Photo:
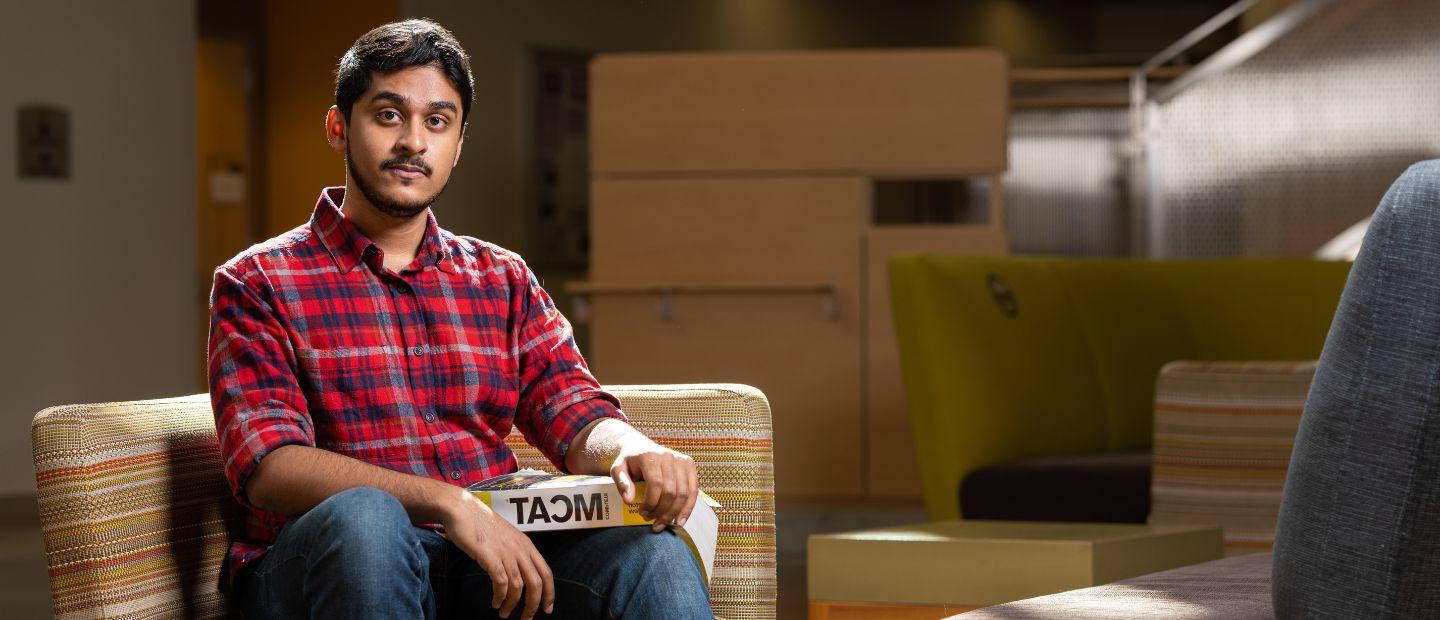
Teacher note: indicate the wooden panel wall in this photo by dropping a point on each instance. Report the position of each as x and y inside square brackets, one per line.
[873, 112]
[775, 231]
[303, 46]
[756, 169]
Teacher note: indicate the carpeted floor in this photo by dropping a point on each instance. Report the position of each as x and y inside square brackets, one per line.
[24, 588]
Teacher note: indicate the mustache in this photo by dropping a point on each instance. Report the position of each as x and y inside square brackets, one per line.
[406, 161]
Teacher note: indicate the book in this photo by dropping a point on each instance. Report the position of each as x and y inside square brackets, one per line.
[537, 501]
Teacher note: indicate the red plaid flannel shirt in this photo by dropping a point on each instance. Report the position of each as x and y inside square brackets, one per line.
[313, 342]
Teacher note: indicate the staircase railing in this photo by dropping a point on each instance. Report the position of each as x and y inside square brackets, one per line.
[1145, 205]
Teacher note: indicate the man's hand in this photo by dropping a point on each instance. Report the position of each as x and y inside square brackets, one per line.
[512, 561]
[671, 483]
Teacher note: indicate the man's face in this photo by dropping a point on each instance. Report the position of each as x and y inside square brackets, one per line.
[402, 139]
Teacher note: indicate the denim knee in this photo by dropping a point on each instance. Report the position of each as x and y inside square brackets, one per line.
[354, 555]
[667, 581]
[665, 556]
[362, 522]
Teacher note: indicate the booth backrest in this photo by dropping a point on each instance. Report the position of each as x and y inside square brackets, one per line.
[1006, 358]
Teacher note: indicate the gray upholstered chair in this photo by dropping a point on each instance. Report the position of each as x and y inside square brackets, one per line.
[1359, 528]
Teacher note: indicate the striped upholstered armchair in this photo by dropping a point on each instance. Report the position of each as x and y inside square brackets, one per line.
[137, 516]
[1223, 436]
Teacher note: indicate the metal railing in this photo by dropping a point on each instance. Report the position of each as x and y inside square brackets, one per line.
[1146, 209]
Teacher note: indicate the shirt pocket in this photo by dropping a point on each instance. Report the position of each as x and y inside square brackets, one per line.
[360, 403]
[354, 385]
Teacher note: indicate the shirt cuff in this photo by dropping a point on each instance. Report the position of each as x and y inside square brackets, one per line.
[255, 446]
[561, 431]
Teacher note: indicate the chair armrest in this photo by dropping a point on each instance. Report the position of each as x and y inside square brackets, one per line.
[134, 508]
[726, 429]
[1223, 435]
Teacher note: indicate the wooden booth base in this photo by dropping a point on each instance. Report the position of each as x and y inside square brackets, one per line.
[834, 610]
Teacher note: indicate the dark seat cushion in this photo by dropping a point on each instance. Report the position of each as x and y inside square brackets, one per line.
[1100, 488]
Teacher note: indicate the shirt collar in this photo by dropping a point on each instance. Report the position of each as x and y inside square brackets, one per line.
[350, 247]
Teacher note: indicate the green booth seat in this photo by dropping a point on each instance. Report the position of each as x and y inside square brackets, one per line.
[1013, 358]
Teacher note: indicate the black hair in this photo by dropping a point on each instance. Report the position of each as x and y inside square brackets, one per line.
[400, 45]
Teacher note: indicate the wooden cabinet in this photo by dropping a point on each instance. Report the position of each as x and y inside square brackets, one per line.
[907, 112]
[732, 235]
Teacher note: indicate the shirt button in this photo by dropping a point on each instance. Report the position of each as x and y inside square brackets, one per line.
[454, 475]
[429, 417]
[417, 350]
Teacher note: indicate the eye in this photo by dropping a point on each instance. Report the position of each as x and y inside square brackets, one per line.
[386, 116]
[437, 121]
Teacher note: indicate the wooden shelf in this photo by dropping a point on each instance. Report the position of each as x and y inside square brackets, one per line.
[1037, 103]
[693, 288]
[1048, 75]
[829, 307]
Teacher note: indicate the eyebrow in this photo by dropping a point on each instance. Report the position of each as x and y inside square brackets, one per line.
[400, 99]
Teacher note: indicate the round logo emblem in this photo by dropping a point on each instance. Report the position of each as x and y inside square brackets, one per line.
[1003, 296]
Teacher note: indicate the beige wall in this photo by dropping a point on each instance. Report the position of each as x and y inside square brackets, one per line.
[99, 296]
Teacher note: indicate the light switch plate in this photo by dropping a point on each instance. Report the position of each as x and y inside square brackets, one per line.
[44, 133]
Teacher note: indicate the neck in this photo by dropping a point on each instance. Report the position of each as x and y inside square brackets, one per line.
[399, 238]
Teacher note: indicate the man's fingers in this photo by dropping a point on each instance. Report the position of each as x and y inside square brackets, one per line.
[655, 479]
[493, 568]
[517, 587]
[692, 494]
[547, 579]
[622, 480]
[684, 494]
[671, 487]
[499, 581]
[664, 487]
[534, 589]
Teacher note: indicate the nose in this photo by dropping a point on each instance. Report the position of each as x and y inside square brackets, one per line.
[411, 140]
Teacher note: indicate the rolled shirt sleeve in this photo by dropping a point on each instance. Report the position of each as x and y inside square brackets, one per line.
[255, 396]
[559, 397]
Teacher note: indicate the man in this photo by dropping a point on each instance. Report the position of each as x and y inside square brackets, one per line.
[366, 366]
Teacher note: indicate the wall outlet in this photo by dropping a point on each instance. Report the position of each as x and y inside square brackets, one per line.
[44, 133]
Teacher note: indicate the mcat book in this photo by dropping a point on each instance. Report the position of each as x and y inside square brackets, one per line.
[536, 501]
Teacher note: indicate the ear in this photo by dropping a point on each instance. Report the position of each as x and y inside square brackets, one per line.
[336, 129]
[458, 146]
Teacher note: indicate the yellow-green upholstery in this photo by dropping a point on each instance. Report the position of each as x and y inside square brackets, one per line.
[1072, 369]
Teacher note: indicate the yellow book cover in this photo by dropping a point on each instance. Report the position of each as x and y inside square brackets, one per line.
[535, 501]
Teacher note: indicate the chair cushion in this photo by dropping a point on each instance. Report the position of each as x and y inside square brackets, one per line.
[1110, 488]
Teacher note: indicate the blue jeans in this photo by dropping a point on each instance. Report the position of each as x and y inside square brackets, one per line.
[356, 555]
